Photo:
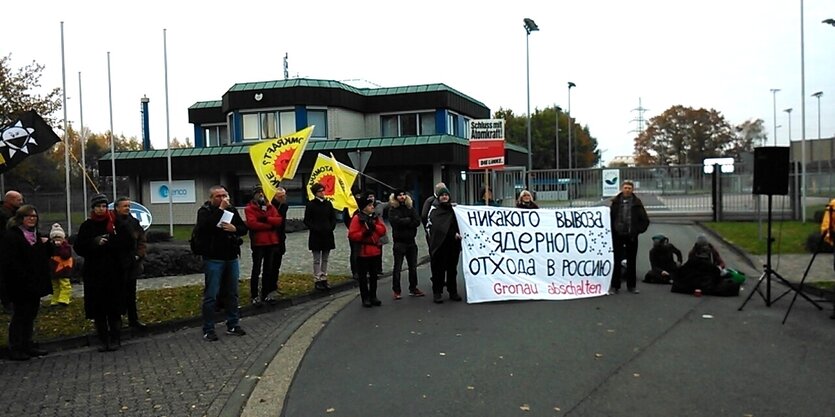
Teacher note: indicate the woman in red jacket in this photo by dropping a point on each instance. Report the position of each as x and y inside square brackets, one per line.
[366, 229]
[262, 220]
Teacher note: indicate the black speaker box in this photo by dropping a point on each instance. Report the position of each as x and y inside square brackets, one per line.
[771, 170]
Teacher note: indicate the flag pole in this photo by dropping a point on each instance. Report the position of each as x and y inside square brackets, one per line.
[83, 143]
[66, 135]
[112, 137]
[168, 136]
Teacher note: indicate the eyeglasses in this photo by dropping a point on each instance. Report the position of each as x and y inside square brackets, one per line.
[31, 216]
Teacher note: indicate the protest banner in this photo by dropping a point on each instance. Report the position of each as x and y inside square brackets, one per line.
[515, 254]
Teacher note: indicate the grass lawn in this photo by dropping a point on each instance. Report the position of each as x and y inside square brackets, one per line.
[789, 236]
[155, 306]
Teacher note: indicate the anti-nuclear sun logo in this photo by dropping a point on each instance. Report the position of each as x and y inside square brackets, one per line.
[17, 138]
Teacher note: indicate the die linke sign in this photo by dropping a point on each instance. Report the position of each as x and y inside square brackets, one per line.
[487, 144]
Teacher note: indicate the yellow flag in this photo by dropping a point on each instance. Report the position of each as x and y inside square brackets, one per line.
[277, 159]
[337, 180]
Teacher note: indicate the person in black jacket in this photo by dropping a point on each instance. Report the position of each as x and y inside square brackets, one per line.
[664, 260]
[104, 280]
[404, 221]
[320, 219]
[132, 248]
[628, 220]
[444, 247]
[26, 278]
[220, 224]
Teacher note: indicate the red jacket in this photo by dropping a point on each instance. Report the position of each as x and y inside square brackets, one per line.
[369, 240]
[262, 224]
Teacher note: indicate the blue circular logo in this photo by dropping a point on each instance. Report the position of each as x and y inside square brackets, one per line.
[163, 191]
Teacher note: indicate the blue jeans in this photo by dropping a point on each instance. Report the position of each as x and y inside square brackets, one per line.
[216, 270]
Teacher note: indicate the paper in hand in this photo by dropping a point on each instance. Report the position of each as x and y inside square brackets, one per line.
[226, 218]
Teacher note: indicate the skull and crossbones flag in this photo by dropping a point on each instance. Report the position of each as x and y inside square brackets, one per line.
[28, 134]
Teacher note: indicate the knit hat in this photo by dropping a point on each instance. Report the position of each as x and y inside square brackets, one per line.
[98, 199]
[315, 188]
[438, 187]
[398, 191]
[363, 201]
[257, 189]
[57, 231]
[440, 191]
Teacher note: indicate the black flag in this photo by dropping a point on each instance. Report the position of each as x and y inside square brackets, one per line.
[27, 135]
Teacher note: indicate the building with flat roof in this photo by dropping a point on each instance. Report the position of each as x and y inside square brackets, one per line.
[412, 137]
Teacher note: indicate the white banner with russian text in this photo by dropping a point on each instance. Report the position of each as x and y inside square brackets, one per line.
[544, 254]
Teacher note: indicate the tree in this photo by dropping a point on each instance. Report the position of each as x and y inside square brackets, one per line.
[17, 92]
[683, 135]
[543, 133]
[749, 134]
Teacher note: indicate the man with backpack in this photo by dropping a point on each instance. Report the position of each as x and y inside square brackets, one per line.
[218, 234]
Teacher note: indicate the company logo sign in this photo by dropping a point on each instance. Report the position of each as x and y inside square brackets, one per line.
[180, 192]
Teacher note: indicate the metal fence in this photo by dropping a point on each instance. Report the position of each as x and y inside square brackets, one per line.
[665, 190]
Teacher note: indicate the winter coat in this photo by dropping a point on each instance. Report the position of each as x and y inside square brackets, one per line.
[530, 205]
[130, 243]
[320, 219]
[25, 267]
[263, 223]
[62, 262]
[366, 231]
[281, 229]
[102, 274]
[404, 220]
[442, 226]
[639, 219]
[223, 245]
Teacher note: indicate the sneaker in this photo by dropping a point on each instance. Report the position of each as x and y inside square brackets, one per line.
[236, 331]
[397, 295]
[256, 302]
[416, 293]
[376, 302]
[455, 297]
[437, 298]
[271, 301]
[633, 290]
[210, 336]
[613, 291]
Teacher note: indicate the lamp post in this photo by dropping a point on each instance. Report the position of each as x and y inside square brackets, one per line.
[818, 96]
[557, 110]
[789, 112]
[774, 106]
[530, 26]
[570, 128]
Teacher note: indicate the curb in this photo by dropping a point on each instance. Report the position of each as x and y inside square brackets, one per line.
[77, 342]
[751, 261]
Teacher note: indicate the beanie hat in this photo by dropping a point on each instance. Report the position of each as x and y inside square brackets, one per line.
[315, 188]
[438, 187]
[257, 189]
[363, 201]
[98, 199]
[440, 191]
[399, 191]
[57, 231]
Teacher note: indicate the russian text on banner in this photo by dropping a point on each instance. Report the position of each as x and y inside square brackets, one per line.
[515, 254]
[277, 159]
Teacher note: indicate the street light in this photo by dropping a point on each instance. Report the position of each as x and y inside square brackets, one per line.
[789, 112]
[557, 109]
[829, 22]
[774, 104]
[818, 96]
[530, 26]
[570, 128]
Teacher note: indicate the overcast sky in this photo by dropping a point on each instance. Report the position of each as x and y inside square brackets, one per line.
[719, 54]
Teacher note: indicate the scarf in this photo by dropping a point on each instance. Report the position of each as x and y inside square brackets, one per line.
[30, 235]
[107, 216]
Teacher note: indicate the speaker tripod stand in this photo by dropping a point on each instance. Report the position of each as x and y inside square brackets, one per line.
[768, 273]
[818, 248]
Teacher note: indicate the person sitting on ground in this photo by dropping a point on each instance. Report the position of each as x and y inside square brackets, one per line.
[704, 271]
[525, 201]
[664, 260]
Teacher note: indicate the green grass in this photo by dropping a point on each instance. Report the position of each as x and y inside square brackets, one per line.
[181, 232]
[155, 306]
[789, 236]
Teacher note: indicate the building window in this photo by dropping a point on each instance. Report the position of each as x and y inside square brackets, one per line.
[427, 123]
[407, 124]
[452, 124]
[319, 118]
[268, 125]
[215, 135]
[250, 126]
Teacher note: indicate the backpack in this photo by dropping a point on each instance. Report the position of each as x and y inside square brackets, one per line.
[198, 243]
